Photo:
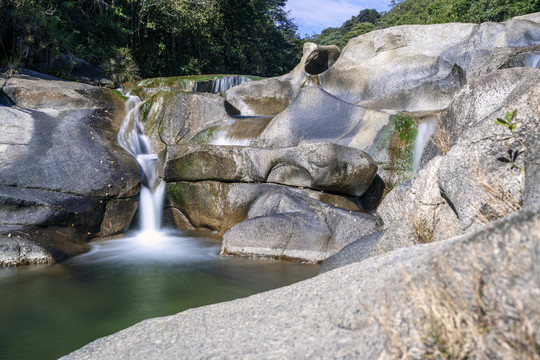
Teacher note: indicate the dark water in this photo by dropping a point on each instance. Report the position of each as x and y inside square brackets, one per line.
[49, 311]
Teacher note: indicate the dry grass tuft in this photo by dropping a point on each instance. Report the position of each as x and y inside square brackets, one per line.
[462, 316]
[441, 139]
[499, 201]
[423, 229]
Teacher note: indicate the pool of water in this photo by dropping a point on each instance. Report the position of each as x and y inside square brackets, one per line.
[49, 311]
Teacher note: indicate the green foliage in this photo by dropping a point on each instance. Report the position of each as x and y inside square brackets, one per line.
[406, 12]
[363, 23]
[406, 128]
[398, 140]
[508, 121]
[444, 11]
[149, 38]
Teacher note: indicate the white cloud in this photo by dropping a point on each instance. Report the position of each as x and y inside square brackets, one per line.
[315, 15]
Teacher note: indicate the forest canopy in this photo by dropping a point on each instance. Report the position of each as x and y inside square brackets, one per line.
[146, 38]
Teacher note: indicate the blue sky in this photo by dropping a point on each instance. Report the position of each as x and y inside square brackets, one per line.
[315, 15]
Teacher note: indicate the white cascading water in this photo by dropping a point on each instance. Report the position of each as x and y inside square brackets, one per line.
[222, 84]
[131, 138]
[533, 60]
[425, 130]
[222, 137]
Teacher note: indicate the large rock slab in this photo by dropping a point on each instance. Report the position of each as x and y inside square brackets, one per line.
[321, 166]
[357, 310]
[356, 251]
[60, 163]
[285, 225]
[413, 68]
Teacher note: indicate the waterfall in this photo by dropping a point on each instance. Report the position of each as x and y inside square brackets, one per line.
[425, 130]
[131, 138]
[533, 60]
[221, 84]
[240, 130]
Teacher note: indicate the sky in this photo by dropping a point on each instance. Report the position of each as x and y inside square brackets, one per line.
[312, 16]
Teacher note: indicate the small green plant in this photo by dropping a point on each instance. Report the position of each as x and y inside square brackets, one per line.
[508, 122]
[510, 155]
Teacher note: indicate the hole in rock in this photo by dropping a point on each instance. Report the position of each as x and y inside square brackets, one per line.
[321, 59]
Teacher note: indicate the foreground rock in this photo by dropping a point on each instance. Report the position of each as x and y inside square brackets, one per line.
[336, 314]
[60, 167]
[321, 166]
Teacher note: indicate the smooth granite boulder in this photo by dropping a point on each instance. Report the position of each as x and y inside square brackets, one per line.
[174, 117]
[60, 163]
[413, 68]
[317, 116]
[286, 225]
[356, 251]
[419, 67]
[323, 166]
[264, 97]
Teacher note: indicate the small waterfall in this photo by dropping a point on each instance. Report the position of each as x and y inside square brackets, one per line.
[223, 137]
[533, 60]
[425, 130]
[131, 138]
[240, 130]
[221, 84]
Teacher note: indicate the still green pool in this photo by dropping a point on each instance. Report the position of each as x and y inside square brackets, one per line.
[49, 311]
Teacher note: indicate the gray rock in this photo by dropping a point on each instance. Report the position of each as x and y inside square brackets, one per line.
[309, 225]
[317, 116]
[60, 163]
[414, 68]
[356, 251]
[117, 217]
[419, 68]
[321, 166]
[416, 212]
[170, 118]
[479, 186]
[286, 225]
[263, 97]
[462, 190]
[336, 314]
[18, 251]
